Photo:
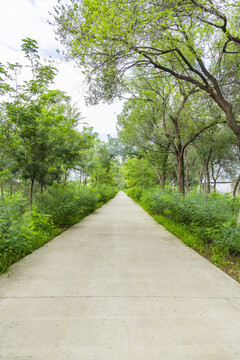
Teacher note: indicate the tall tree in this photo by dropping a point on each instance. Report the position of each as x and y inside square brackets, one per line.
[47, 139]
[109, 39]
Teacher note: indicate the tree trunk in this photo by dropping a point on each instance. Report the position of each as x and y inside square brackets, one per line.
[180, 172]
[231, 121]
[207, 175]
[236, 186]
[31, 194]
[41, 188]
[2, 191]
[161, 178]
[208, 181]
[238, 220]
[201, 183]
[214, 184]
[187, 180]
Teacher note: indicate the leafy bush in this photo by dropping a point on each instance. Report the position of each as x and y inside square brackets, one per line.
[106, 193]
[135, 192]
[14, 225]
[192, 209]
[68, 205]
[229, 237]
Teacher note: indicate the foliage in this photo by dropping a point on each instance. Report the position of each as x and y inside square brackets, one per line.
[229, 237]
[39, 140]
[174, 38]
[65, 205]
[57, 209]
[139, 172]
[217, 254]
[135, 192]
[222, 255]
[211, 220]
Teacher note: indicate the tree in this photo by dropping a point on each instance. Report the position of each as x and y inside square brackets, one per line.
[139, 172]
[109, 40]
[139, 128]
[166, 120]
[47, 139]
[104, 165]
[17, 95]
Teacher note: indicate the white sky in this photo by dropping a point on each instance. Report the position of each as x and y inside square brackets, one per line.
[28, 18]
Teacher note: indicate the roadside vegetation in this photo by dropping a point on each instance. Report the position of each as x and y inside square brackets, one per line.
[209, 226]
[60, 207]
[52, 174]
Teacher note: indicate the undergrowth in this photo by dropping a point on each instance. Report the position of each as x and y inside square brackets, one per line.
[54, 211]
[209, 227]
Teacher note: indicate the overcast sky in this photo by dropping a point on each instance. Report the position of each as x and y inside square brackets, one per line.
[28, 18]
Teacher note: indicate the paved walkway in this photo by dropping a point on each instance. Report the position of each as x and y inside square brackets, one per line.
[118, 286]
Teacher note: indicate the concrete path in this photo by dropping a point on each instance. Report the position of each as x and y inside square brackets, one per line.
[118, 286]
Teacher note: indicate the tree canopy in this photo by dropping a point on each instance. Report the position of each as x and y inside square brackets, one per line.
[194, 41]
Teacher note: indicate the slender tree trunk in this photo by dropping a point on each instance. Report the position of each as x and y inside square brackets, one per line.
[214, 184]
[208, 181]
[215, 176]
[41, 188]
[207, 175]
[180, 172]
[236, 186]
[187, 179]
[200, 183]
[31, 194]
[161, 178]
[2, 191]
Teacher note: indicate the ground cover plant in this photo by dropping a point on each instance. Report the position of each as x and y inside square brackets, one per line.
[61, 206]
[208, 225]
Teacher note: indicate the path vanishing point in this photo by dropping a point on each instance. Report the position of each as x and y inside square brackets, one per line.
[118, 286]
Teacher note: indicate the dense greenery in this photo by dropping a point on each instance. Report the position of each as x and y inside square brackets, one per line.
[212, 220]
[58, 208]
[41, 147]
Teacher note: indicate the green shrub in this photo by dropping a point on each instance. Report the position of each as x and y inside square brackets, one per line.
[67, 205]
[229, 237]
[135, 192]
[15, 225]
[191, 209]
[106, 193]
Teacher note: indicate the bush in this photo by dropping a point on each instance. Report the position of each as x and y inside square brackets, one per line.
[135, 192]
[15, 226]
[229, 237]
[68, 205]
